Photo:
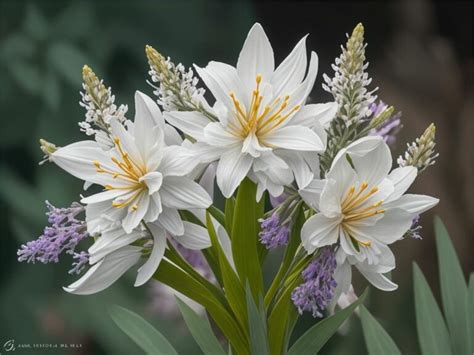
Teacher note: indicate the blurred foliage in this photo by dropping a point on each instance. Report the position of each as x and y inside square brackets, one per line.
[43, 46]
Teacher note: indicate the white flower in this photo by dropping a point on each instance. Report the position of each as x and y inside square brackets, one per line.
[144, 179]
[264, 129]
[362, 207]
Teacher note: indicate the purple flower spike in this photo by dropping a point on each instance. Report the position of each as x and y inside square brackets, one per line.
[273, 233]
[388, 129]
[317, 291]
[64, 234]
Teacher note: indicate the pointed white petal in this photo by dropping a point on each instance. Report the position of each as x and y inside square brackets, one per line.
[311, 193]
[311, 114]
[146, 271]
[217, 135]
[170, 220]
[256, 57]
[390, 228]
[319, 231]
[294, 138]
[178, 161]
[231, 170]
[413, 203]
[195, 237]
[106, 272]
[135, 216]
[182, 193]
[147, 113]
[378, 280]
[402, 179]
[110, 241]
[153, 181]
[103, 196]
[191, 123]
[298, 165]
[291, 71]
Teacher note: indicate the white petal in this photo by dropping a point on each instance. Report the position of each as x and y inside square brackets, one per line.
[390, 228]
[300, 94]
[147, 113]
[182, 193]
[252, 146]
[146, 271]
[110, 241]
[378, 280]
[153, 181]
[291, 71]
[309, 115]
[294, 138]
[208, 178]
[106, 272]
[172, 136]
[298, 165]
[195, 237]
[256, 57]
[135, 216]
[319, 231]
[206, 153]
[103, 196]
[414, 204]
[402, 179]
[217, 135]
[178, 161]
[170, 220]
[78, 160]
[311, 193]
[222, 79]
[231, 170]
[330, 203]
[190, 123]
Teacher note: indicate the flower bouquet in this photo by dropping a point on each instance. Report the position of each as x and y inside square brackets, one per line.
[316, 180]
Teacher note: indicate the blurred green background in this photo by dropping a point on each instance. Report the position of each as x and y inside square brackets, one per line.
[421, 56]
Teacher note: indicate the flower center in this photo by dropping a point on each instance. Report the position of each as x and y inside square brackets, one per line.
[260, 120]
[356, 207]
[128, 171]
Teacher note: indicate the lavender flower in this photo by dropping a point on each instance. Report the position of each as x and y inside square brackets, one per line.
[274, 233]
[317, 291]
[82, 259]
[414, 231]
[390, 127]
[64, 234]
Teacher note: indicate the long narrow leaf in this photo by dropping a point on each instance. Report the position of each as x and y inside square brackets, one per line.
[233, 288]
[141, 332]
[180, 281]
[470, 302]
[432, 332]
[244, 237]
[201, 330]
[257, 326]
[229, 214]
[453, 290]
[314, 339]
[378, 341]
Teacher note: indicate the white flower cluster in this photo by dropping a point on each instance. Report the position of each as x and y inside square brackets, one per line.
[177, 87]
[98, 101]
[420, 153]
[350, 81]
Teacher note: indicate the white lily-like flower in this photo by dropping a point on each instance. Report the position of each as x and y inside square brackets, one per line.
[362, 207]
[264, 130]
[144, 179]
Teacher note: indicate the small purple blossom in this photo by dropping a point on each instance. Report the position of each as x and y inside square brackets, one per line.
[317, 291]
[414, 231]
[81, 260]
[390, 127]
[273, 233]
[64, 234]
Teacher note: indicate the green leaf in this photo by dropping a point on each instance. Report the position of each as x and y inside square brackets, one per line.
[177, 279]
[257, 325]
[470, 308]
[217, 214]
[432, 332]
[245, 237]
[378, 341]
[233, 288]
[314, 339]
[68, 61]
[453, 290]
[229, 214]
[201, 330]
[141, 332]
[35, 24]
